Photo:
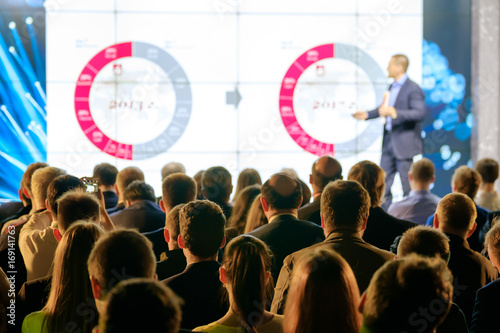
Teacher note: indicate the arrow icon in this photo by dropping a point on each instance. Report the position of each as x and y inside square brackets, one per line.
[233, 97]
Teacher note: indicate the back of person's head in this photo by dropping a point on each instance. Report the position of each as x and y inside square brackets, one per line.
[422, 171]
[492, 243]
[247, 177]
[158, 310]
[171, 168]
[255, 216]
[216, 184]
[197, 179]
[60, 185]
[139, 190]
[488, 169]
[402, 292]
[40, 181]
[26, 179]
[456, 213]
[172, 224]
[202, 228]
[242, 206]
[282, 192]
[246, 272]
[401, 60]
[372, 177]
[70, 287]
[466, 180]
[177, 188]
[127, 176]
[306, 192]
[291, 172]
[121, 255]
[324, 170]
[324, 295]
[345, 204]
[105, 174]
[426, 242]
[76, 205]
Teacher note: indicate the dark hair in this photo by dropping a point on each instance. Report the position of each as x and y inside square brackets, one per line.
[319, 178]
[106, 174]
[76, 205]
[159, 308]
[488, 169]
[422, 170]
[276, 200]
[139, 190]
[372, 177]
[255, 215]
[247, 177]
[424, 241]
[306, 192]
[202, 227]
[60, 185]
[178, 188]
[216, 184]
[239, 214]
[246, 261]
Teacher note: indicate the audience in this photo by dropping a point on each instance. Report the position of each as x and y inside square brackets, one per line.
[247, 280]
[487, 196]
[420, 202]
[256, 216]
[247, 177]
[105, 174]
[324, 170]
[158, 310]
[324, 295]
[238, 220]
[412, 294]
[216, 185]
[284, 234]
[123, 179]
[344, 212]
[201, 235]
[381, 228]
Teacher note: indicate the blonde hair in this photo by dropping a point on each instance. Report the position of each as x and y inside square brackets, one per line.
[456, 212]
[255, 216]
[466, 181]
[40, 181]
[492, 239]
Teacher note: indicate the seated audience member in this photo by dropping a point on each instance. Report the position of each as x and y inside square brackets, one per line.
[455, 215]
[237, 221]
[247, 177]
[197, 179]
[105, 174]
[158, 310]
[324, 296]
[486, 196]
[141, 212]
[201, 235]
[487, 305]
[432, 243]
[246, 277]
[466, 180]
[420, 202]
[171, 168]
[284, 234]
[306, 192]
[123, 179]
[256, 216]
[119, 255]
[324, 170]
[382, 228]
[412, 294]
[216, 185]
[70, 292]
[344, 212]
[174, 261]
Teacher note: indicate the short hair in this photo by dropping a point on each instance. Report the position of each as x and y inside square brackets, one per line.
[426, 242]
[372, 177]
[26, 179]
[216, 184]
[202, 227]
[345, 203]
[171, 168]
[401, 289]
[139, 190]
[172, 221]
[488, 169]
[178, 188]
[60, 185]
[332, 171]
[492, 240]
[247, 177]
[466, 181]
[160, 309]
[456, 212]
[287, 194]
[121, 255]
[127, 176]
[106, 174]
[76, 205]
[401, 60]
[197, 179]
[40, 181]
[422, 170]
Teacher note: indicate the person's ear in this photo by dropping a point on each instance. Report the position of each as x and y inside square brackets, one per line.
[57, 234]
[410, 176]
[435, 222]
[116, 190]
[222, 275]
[166, 235]
[155, 277]
[47, 205]
[223, 242]
[322, 221]
[311, 179]
[26, 193]
[365, 222]
[127, 203]
[268, 275]
[433, 179]
[263, 202]
[362, 302]
[96, 288]
[395, 258]
[180, 241]
[162, 205]
[471, 231]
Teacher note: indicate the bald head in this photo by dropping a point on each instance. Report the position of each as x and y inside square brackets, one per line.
[324, 170]
[282, 192]
[125, 177]
[171, 168]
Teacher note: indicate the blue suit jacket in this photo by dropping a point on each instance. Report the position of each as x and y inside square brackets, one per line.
[406, 128]
[486, 309]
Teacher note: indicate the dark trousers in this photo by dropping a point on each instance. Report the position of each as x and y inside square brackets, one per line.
[391, 165]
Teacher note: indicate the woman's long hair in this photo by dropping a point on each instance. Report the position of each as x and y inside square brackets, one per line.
[247, 262]
[255, 215]
[238, 218]
[246, 178]
[71, 304]
[324, 295]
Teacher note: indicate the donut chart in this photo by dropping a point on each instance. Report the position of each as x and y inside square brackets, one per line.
[180, 116]
[288, 89]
